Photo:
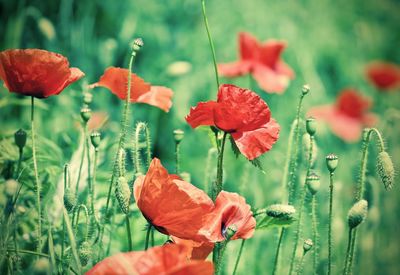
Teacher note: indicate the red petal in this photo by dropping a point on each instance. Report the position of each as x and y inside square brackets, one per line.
[240, 109]
[158, 96]
[383, 75]
[270, 80]
[352, 103]
[248, 46]
[35, 72]
[122, 263]
[270, 52]
[202, 114]
[234, 69]
[171, 204]
[253, 144]
[195, 250]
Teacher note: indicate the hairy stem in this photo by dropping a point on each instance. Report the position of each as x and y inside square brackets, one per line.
[284, 182]
[278, 249]
[238, 257]
[330, 223]
[315, 232]
[348, 251]
[220, 170]
[128, 232]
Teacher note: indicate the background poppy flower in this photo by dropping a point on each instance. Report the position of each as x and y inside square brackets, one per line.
[230, 210]
[116, 80]
[37, 73]
[383, 75]
[262, 61]
[348, 116]
[243, 114]
[168, 259]
[173, 206]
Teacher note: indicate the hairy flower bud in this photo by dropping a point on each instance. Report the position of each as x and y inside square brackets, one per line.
[281, 211]
[385, 169]
[123, 193]
[357, 213]
[332, 162]
[70, 200]
[85, 252]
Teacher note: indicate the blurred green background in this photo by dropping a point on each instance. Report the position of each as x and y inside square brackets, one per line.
[329, 44]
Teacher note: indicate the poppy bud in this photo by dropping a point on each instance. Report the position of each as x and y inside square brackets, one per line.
[385, 169]
[311, 126]
[229, 232]
[331, 162]
[281, 211]
[20, 138]
[137, 44]
[41, 266]
[85, 252]
[95, 138]
[87, 98]
[313, 183]
[306, 89]
[123, 193]
[307, 245]
[86, 114]
[178, 135]
[10, 188]
[357, 214]
[69, 199]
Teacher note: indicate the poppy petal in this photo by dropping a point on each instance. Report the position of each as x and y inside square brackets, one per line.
[158, 96]
[383, 75]
[122, 263]
[269, 80]
[195, 250]
[234, 69]
[253, 144]
[248, 46]
[270, 52]
[202, 114]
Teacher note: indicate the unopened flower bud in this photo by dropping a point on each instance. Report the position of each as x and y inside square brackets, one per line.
[10, 188]
[20, 138]
[313, 183]
[357, 214]
[86, 114]
[331, 162]
[87, 98]
[178, 135]
[311, 126]
[123, 194]
[95, 138]
[137, 44]
[385, 169]
[305, 89]
[307, 245]
[70, 200]
[281, 211]
[85, 253]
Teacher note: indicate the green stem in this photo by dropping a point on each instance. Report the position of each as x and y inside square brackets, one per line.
[146, 244]
[93, 192]
[66, 178]
[152, 238]
[38, 185]
[72, 241]
[220, 170]
[284, 182]
[330, 223]
[278, 249]
[21, 150]
[128, 232]
[352, 250]
[238, 257]
[300, 267]
[177, 158]
[210, 41]
[315, 232]
[348, 251]
[221, 251]
[81, 165]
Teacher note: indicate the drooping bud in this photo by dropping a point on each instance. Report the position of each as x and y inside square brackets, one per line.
[357, 213]
[123, 194]
[137, 44]
[281, 211]
[229, 232]
[313, 183]
[332, 162]
[307, 245]
[86, 114]
[20, 138]
[95, 138]
[70, 199]
[305, 89]
[85, 252]
[311, 126]
[10, 188]
[385, 169]
[178, 135]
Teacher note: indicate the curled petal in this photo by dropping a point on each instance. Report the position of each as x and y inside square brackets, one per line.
[270, 80]
[202, 114]
[253, 144]
[158, 96]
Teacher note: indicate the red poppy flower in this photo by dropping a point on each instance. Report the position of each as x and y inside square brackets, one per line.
[348, 116]
[171, 205]
[243, 114]
[262, 61]
[195, 250]
[164, 260]
[34, 72]
[116, 79]
[383, 75]
[231, 211]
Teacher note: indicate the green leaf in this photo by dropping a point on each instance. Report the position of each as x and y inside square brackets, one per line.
[235, 149]
[257, 163]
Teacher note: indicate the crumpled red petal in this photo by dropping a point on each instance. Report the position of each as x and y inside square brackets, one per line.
[158, 96]
[35, 72]
[270, 52]
[202, 114]
[195, 250]
[248, 46]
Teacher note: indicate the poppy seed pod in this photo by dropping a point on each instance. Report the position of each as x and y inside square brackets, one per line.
[10, 188]
[85, 252]
[357, 213]
[305, 89]
[123, 193]
[311, 126]
[307, 245]
[69, 199]
[86, 114]
[178, 135]
[95, 138]
[385, 169]
[229, 232]
[313, 183]
[281, 211]
[137, 44]
[332, 162]
[87, 98]
[20, 138]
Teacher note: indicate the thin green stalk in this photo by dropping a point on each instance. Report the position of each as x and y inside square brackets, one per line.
[20, 152]
[72, 241]
[278, 249]
[301, 264]
[221, 251]
[284, 182]
[177, 158]
[146, 243]
[210, 41]
[238, 257]
[348, 252]
[89, 179]
[330, 223]
[219, 180]
[128, 232]
[93, 193]
[37, 182]
[66, 178]
[152, 238]
[315, 232]
[81, 165]
[352, 250]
